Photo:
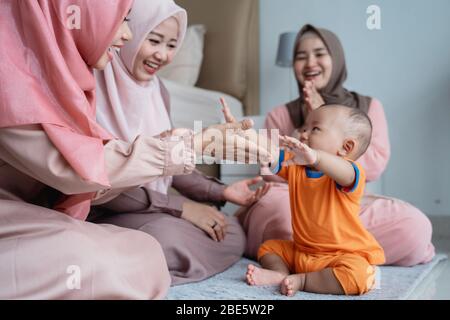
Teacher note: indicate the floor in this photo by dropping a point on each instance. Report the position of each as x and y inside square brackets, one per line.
[437, 285]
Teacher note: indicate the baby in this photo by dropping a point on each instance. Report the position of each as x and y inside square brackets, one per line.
[331, 251]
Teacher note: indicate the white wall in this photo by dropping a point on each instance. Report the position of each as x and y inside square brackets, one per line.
[406, 65]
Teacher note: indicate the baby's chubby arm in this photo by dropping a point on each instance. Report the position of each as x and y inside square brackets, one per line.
[337, 168]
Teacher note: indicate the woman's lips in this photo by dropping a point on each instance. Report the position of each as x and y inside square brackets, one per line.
[310, 75]
[149, 69]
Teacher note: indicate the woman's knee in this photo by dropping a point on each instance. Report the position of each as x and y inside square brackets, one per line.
[127, 264]
[271, 215]
[416, 232]
[235, 235]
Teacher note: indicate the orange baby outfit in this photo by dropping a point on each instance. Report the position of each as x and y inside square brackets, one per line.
[327, 230]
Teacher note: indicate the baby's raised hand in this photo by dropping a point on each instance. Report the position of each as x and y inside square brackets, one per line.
[303, 154]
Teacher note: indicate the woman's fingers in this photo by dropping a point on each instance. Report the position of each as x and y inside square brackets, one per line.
[265, 189]
[309, 104]
[220, 225]
[253, 181]
[209, 229]
[226, 111]
[219, 232]
[181, 132]
[229, 118]
[261, 191]
[237, 126]
[219, 218]
[252, 151]
[257, 194]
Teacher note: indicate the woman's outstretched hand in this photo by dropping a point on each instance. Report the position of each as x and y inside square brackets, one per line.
[207, 218]
[240, 193]
[232, 140]
[313, 99]
[247, 132]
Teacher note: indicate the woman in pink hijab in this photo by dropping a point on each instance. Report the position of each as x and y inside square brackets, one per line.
[197, 239]
[55, 159]
[403, 231]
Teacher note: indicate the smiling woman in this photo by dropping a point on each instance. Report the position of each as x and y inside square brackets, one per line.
[312, 61]
[158, 50]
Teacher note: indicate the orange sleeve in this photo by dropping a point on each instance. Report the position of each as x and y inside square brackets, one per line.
[357, 189]
[283, 172]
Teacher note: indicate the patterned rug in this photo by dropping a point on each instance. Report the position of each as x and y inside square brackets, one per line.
[393, 283]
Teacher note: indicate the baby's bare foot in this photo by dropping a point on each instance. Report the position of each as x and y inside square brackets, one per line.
[258, 276]
[292, 283]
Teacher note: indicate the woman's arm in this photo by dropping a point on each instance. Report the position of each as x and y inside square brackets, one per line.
[199, 187]
[29, 150]
[375, 159]
[145, 200]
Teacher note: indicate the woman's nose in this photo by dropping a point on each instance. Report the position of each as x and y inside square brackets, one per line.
[311, 60]
[161, 54]
[127, 34]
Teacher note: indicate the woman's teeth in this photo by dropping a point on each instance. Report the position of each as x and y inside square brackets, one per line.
[312, 73]
[151, 65]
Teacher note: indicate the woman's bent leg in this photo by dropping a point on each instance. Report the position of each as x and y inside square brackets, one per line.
[402, 230]
[47, 255]
[190, 253]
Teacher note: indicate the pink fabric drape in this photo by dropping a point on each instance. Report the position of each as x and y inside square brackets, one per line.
[47, 48]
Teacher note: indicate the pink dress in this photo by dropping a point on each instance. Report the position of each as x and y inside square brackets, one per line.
[403, 231]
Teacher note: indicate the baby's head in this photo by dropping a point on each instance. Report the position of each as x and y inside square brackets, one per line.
[337, 129]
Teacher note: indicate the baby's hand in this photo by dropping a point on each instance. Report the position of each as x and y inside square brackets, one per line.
[303, 155]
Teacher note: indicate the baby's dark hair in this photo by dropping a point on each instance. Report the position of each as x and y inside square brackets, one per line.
[359, 127]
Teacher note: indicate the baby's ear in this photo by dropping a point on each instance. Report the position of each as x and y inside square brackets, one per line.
[348, 146]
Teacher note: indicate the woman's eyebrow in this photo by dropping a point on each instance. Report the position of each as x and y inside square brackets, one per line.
[315, 50]
[157, 34]
[162, 36]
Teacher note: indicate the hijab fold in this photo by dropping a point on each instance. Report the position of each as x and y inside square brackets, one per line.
[334, 92]
[46, 78]
[127, 107]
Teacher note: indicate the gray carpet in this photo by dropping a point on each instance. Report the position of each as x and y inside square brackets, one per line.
[395, 283]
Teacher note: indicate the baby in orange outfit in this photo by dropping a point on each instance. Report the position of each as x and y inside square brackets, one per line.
[331, 251]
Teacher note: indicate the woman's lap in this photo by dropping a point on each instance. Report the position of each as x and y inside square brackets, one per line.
[190, 253]
[111, 262]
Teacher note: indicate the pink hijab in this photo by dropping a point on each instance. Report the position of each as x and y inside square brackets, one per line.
[126, 107]
[47, 48]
